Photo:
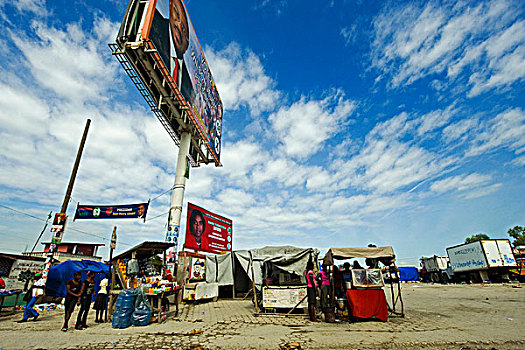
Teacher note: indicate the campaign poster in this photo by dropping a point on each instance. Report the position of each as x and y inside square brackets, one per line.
[171, 31]
[207, 231]
[58, 227]
[126, 211]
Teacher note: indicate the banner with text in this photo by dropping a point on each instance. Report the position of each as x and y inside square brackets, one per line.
[127, 211]
[207, 231]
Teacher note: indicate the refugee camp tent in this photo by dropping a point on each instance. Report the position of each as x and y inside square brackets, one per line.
[408, 273]
[61, 273]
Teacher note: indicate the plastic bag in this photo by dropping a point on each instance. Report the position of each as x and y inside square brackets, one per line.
[142, 314]
[132, 268]
[124, 308]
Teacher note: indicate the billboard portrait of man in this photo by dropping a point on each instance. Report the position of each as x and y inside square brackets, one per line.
[197, 226]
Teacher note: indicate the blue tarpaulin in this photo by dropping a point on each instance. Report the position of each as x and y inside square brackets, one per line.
[408, 273]
[61, 273]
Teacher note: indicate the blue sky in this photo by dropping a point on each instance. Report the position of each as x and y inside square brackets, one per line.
[345, 123]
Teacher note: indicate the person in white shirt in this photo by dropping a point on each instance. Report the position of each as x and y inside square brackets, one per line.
[101, 300]
[37, 290]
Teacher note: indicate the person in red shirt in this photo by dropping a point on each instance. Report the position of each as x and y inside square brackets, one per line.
[197, 225]
[2, 283]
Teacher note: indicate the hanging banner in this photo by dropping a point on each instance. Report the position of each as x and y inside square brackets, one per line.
[127, 211]
[207, 231]
[58, 228]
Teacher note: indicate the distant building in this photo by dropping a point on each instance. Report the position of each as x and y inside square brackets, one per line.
[71, 251]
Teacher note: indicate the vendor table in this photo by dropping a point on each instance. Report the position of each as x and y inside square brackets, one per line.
[156, 310]
[367, 303]
[6, 294]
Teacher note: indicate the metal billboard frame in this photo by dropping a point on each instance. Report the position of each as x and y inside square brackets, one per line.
[143, 64]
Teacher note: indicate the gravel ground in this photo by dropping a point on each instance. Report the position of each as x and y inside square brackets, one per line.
[437, 317]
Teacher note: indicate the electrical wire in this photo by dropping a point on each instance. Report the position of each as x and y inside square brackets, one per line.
[162, 194]
[70, 228]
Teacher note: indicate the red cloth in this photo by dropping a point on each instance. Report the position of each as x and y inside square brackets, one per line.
[368, 303]
[2, 284]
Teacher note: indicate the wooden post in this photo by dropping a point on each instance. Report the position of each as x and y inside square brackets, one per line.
[254, 292]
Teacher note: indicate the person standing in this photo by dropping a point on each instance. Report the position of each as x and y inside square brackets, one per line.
[87, 292]
[324, 278]
[2, 283]
[310, 290]
[37, 290]
[101, 300]
[72, 297]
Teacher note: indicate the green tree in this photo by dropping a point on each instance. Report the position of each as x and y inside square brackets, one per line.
[476, 237]
[518, 233]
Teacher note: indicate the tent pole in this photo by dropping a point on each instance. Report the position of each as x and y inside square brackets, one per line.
[254, 292]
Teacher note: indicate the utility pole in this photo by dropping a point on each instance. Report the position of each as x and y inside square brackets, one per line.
[112, 246]
[177, 195]
[58, 236]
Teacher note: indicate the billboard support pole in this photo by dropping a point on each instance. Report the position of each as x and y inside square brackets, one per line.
[177, 195]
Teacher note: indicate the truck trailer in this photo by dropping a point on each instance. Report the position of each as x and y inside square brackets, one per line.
[482, 261]
[436, 269]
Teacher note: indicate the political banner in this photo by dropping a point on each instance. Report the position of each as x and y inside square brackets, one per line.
[207, 231]
[127, 211]
[58, 227]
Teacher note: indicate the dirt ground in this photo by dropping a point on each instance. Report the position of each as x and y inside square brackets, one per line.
[437, 317]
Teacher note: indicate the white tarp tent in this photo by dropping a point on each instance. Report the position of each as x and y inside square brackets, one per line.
[220, 268]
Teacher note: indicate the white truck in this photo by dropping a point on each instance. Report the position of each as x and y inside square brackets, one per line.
[482, 261]
[436, 269]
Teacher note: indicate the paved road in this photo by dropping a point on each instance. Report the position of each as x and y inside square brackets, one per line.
[438, 317]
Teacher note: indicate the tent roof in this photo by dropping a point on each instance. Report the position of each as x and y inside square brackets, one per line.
[349, 253]
[145, 249]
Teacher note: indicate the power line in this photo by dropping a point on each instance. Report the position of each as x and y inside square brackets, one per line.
[70, 228]
[162, 194]
[158, 216]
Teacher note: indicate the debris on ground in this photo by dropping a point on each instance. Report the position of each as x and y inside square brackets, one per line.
[291, 346]
[195, 331]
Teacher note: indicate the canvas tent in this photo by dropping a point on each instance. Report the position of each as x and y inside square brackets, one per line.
[235, 267]
[384, 254]
[219, 269]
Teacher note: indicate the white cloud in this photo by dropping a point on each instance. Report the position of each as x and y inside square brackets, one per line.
[303, 127]
[504, 130]
[35, 6]
[483, 40]
[241, 79]
[71, 63]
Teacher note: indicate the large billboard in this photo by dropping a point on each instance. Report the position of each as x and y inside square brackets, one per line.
[169, 28]
[207, 231]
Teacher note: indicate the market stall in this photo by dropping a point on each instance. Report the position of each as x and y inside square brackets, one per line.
[276, 273]
[139, 267]
[365, 294]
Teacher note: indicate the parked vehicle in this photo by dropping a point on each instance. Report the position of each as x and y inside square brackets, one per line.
[482, 261]
[436, 269]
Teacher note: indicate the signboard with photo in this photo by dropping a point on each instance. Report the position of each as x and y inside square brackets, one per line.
[127, 211]
[207, 231]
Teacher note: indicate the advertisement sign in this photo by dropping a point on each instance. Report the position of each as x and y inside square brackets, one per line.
[127, 211]
[207, 232]
[169, 28]
[21, 266]
[58, 227]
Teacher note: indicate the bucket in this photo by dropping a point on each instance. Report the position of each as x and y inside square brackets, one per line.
[329, 315]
